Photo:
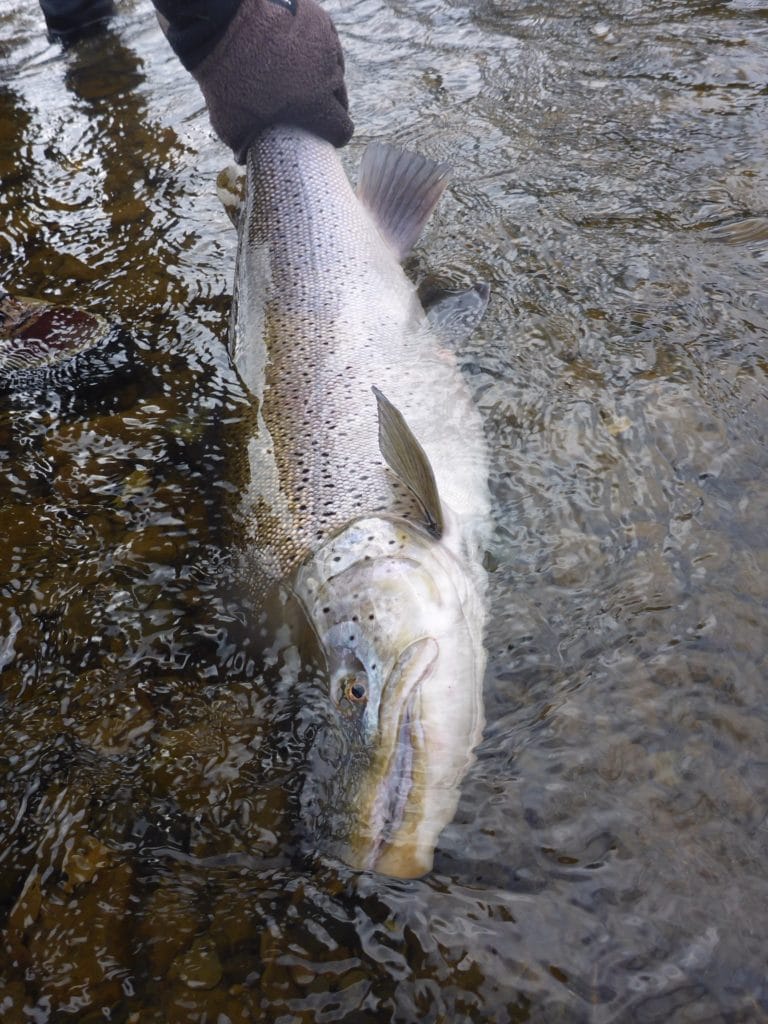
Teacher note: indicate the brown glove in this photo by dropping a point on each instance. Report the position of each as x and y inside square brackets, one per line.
[279, 62]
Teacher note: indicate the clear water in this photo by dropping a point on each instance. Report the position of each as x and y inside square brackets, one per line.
[608, 859]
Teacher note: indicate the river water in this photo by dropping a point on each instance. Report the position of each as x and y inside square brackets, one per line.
[608, 858]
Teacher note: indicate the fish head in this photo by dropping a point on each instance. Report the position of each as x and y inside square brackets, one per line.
[399, 619]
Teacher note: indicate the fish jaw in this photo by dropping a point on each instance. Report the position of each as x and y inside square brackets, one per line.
[398, 615]
[389, 791]
[412, 790]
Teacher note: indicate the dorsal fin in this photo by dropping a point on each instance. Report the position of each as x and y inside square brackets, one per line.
[406, 458]
[400, 189]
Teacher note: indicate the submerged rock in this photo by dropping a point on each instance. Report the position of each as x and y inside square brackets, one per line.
[36, 334]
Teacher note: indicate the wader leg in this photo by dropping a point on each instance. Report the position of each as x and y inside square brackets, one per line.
[67, 20]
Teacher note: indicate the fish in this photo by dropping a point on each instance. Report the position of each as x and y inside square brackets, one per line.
[364, 493]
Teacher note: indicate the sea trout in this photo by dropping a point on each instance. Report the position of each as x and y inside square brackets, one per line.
[367, 493]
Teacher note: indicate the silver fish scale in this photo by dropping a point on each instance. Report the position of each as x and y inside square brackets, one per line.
[323, 311]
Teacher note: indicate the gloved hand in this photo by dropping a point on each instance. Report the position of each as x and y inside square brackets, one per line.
[279, 62]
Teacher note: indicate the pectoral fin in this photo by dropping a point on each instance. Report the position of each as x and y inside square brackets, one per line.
[406, 458]
[400, 189]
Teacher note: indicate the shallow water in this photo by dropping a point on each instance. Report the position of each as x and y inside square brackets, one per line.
[608, 858]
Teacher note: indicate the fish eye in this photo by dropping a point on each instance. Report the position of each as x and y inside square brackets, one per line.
[355, 690]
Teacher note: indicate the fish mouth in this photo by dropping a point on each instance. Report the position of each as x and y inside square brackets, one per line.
[387, 840]
[397, 785]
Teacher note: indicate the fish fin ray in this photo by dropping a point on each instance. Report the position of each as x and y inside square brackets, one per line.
[455, 315]
[407, 459]
[400, 189]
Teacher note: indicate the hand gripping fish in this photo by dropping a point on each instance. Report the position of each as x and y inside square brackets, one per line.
[366, 490]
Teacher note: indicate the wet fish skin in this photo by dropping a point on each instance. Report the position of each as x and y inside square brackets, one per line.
[387, 570]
